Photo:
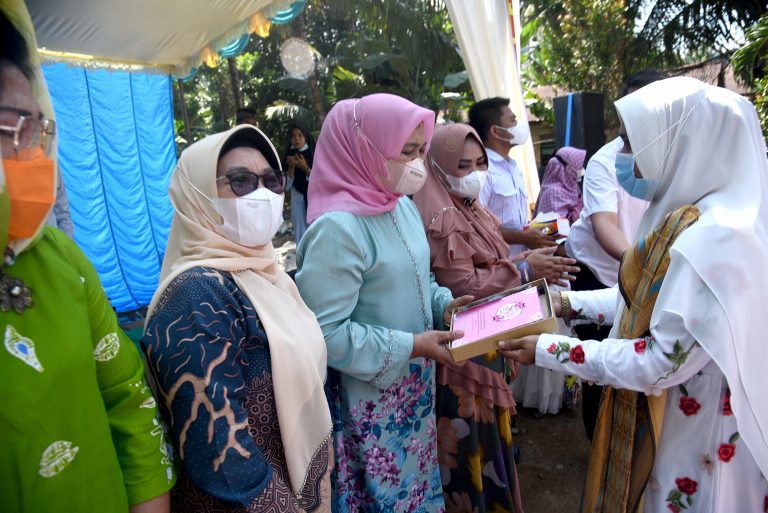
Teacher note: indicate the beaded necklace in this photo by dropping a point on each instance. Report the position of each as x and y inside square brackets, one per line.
[419, 288]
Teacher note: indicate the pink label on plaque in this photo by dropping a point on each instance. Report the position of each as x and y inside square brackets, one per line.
[496, 316]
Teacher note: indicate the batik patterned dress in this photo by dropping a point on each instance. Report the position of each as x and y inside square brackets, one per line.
[367, 279]
[209, 356]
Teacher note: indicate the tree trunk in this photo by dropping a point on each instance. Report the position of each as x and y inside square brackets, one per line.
[234, 80]
[184, 114]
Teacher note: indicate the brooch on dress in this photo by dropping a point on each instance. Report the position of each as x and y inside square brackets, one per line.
[13, 293]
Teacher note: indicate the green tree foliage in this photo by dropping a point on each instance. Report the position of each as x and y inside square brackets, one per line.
[751, 62]
[592, 45]
[580, 45]
[405, 47]
[673, 28]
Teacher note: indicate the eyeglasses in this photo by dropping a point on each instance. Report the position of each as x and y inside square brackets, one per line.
[244, 182]
[29, 134]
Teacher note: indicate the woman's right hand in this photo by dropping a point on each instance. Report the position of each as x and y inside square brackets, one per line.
[556, 270]
[434, 345]
[291, 168]
[536, 239]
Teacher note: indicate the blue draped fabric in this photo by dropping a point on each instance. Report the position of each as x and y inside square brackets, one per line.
[236, 47]
[287, 15]
[116, 154]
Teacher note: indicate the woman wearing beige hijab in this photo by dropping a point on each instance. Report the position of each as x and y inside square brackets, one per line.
[238, 359]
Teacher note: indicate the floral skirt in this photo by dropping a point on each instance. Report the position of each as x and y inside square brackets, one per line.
[474, 448]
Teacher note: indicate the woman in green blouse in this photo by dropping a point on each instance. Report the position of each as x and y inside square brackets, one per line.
[78, 424]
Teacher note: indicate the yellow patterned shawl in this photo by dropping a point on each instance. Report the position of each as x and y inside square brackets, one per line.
[629, 423]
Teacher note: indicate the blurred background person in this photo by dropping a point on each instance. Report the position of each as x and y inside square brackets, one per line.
[299, 156]
[560, 190]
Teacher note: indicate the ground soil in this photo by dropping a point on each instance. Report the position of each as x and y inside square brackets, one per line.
[553, 460]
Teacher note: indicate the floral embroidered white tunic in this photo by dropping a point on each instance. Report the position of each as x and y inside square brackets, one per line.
[702, 465]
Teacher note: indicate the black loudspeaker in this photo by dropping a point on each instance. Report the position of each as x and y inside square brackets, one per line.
[587, 122]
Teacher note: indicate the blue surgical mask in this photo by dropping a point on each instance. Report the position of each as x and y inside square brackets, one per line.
[641, 188]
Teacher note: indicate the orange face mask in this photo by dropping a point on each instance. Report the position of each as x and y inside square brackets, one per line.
[30, 185]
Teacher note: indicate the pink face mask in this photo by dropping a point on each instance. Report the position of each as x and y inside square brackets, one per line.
[405, 178]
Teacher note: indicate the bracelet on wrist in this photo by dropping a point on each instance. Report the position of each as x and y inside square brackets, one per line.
[526, 271]
[565, 308]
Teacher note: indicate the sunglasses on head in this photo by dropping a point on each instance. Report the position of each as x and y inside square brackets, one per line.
[243, 182]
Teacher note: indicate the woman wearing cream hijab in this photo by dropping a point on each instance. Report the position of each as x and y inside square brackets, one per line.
[238, 360]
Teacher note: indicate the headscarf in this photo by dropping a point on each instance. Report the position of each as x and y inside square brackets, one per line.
[296, 344]
[445, 216]
[560, 190]
[300, 178]
[346, 166]
[307, 137]
[703, 145]
[444, 213]
[18, 15]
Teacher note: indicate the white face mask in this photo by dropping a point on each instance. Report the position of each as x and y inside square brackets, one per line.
[405, 177]
[520, 133]
[468, 186]
[251, 220]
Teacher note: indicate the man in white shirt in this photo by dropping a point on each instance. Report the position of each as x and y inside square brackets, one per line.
[605, 229]
[607, 223]
[504, 191]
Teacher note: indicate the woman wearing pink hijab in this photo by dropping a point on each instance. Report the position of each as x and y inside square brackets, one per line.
[560, 190]
[364, 271]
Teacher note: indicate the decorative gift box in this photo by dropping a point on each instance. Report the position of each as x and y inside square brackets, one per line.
[514, 313]
[550, 224]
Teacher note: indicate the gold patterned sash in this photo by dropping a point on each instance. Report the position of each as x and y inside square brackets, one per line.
[629, 423]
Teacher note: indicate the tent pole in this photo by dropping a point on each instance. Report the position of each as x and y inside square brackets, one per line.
[184, 114]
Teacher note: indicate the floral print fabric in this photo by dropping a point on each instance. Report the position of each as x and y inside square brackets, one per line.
[474, 447]
[702, 464]
[386, 445]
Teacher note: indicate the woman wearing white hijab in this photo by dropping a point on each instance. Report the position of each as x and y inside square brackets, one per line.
[683, 424]
[238, 359]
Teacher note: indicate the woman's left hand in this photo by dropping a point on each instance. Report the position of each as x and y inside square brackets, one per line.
[300, 162]
[456, 303]
[522, 350]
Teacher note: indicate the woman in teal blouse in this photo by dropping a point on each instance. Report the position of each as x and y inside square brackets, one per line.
[364, 271]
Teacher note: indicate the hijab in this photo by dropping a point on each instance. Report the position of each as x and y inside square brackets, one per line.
[560, 190]
[346, 166]
[296, 344]
[307, 138]
[300, 181]
[442, 212]
[17, 14]
[703, 146]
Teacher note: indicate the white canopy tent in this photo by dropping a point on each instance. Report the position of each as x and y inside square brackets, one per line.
[488, 32]
[172, 35]
[178, 35]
